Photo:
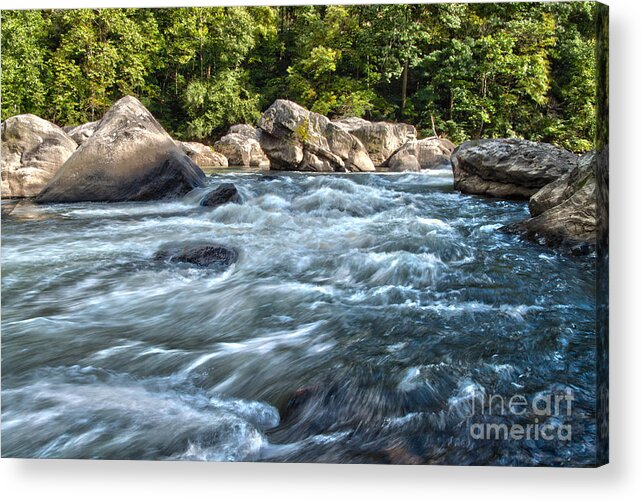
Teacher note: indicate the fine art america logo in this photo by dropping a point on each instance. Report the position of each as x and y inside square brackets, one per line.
[542, 417]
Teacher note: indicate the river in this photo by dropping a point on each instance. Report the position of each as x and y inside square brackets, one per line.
[365, 316]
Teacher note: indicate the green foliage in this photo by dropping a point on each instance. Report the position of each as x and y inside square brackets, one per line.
[216, 104]
[25, 65]
[479, 70]
[101, 55]
[302, 132]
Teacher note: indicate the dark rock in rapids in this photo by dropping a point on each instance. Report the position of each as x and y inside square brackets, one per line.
[225, 193]
[204, 255]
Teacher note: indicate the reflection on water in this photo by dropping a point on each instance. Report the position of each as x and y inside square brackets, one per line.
[364, 315]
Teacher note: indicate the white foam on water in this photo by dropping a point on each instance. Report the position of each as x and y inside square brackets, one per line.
[125, 419]
[394, 273]
[436, 223]
[464, 400]
[260, 345]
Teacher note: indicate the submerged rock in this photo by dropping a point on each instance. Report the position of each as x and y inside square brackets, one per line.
[203, 155]
[7, 206]
[200, 254]
[32, 151]
[508, 168]
[294, 138]
[129, 157]
[225, 193]
[241, 147]
[381, 139]
[430, 153]
[564, 212]
[81, 133]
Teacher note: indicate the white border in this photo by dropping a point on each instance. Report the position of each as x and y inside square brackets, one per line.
[116, 480]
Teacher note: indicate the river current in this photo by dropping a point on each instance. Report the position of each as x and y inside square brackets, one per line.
[367, 319]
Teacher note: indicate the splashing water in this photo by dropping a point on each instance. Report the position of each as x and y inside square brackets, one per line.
[371, 310]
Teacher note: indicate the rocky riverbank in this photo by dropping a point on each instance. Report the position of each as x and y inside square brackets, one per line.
[128, 156]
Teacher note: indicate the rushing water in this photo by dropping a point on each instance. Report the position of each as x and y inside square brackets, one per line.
[366, 315]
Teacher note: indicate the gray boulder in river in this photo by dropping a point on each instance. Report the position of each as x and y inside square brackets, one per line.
[202, 154]
[129, 157]
[508, 168]
[564, 211]
[294, 138]
[32, 151]
[429, 153]
[381, 139]
[241, 147]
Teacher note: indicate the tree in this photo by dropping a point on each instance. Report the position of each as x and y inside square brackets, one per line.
[480, 70]
[102, 55]
[25, 62]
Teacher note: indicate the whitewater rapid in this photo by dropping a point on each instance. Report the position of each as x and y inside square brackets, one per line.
[364, 313]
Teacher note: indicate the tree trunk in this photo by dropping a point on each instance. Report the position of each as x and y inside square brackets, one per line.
[404, 87]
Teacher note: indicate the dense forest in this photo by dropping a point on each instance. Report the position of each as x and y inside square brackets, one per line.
[479, 70]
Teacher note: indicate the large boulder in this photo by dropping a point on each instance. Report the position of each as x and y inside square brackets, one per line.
[296, 139]
[508, 168]
[564, 211]
[32, 151]
[203, 155]
[129, 157]
[381, 139]
[81, 133]
[241, 147]
[430, 153]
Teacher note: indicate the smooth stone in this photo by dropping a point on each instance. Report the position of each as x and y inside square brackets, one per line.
[81, 133]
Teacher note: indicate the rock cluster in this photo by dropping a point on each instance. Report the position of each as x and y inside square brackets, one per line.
[241, 147]
[294, 138]
[563, 213]
[203, 155]
[381, 139]
[416, 155]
